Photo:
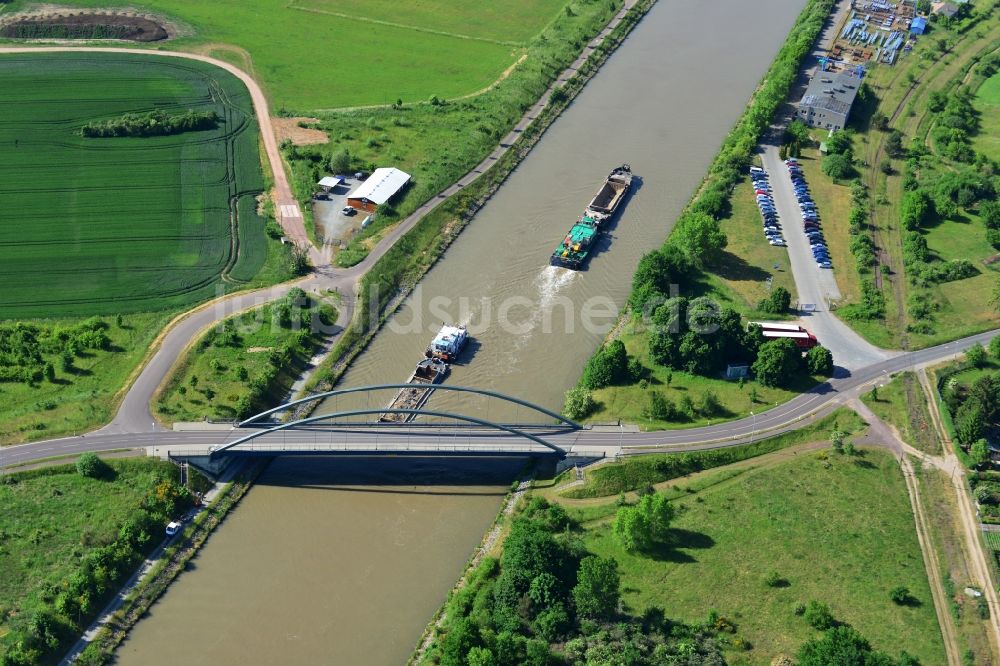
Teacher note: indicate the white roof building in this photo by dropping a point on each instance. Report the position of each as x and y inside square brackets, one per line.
[381, 185]
[330, 181]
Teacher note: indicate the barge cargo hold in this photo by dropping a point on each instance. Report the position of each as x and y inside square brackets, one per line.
[575, 248]
[429, 371]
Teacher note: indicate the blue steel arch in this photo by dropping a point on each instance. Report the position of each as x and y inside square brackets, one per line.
[436, 387]
[386, 410]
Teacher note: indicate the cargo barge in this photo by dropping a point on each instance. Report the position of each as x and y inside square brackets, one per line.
[443, 349]
[575, 248]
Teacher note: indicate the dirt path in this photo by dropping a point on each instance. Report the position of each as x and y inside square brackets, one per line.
[885, 435]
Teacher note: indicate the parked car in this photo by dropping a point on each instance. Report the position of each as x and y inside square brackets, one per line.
[778, 242]
[824, 264]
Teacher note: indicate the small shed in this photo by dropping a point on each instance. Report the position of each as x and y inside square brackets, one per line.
[918, 26]
[330, 182]
[381, 186]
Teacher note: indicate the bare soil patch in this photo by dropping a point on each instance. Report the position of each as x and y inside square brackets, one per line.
[290, 128]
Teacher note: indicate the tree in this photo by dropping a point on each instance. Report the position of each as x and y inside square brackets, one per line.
[842, 646]
[979, 452]
[778, 361]
[838, 166]
[994, 347]
[975, 355]
[637, 527]
[49, 371]
[798, 131]
[579, 403]
[880, 121]
[632, 529]
[838, 143]
[777, 302]
[699, 237]
[819, 360]
[598, 588]
[480, 656]
[92, 467]
[894, 144]
[660, 408]
[609, 365]
[818, 616]
[459, 642]
[340, 161]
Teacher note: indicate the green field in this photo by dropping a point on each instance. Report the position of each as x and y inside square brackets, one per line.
[319, 54]
[102, 225]
[837, 529]
[987, 102]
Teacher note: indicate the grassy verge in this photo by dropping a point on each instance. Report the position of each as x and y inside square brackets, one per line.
[749, 260]
[988, 104]
[67, 541]
[835, 528]
[630, 402]
[246, 363]
[634, 473]
[902, 403]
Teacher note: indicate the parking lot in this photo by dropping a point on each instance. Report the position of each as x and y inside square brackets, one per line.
[333, 226]
[816, 287]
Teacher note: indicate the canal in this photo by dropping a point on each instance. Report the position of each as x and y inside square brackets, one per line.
[344, 563]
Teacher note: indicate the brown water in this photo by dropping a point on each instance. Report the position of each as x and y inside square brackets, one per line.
[307, 570]
[326, 562]
[662, 103]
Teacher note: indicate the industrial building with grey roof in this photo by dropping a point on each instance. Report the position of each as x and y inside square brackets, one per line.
[828, 99]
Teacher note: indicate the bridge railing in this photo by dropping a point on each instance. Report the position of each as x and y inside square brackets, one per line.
[291, 425]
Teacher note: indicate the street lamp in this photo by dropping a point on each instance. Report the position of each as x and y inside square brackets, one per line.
[753, 428]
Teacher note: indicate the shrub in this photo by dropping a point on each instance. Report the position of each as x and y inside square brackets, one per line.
[773, 579]
[579, 403]
[92, 467]
[900, 595]
[819, 616]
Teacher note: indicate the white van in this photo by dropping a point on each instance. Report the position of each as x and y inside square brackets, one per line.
[173, 528]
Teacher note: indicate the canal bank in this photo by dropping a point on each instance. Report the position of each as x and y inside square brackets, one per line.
[307, 569]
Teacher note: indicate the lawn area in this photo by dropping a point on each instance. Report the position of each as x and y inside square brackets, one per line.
[658, 470]
[248, 362]
[55, 519]
[628, 402]
[124, 224]
[902, 403]
[987, 102]
[749, 260]
[512, 22]
[838, 529]
[457, 47]
[86, 395]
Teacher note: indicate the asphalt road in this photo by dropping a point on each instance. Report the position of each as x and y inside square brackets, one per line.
[816, 286]
[788, 416]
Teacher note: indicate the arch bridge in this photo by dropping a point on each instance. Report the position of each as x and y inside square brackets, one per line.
[338, 432]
